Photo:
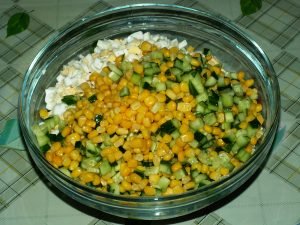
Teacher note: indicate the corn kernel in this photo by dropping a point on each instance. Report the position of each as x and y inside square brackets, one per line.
[207, 128]
[44, 114]
[195, 62]
[176, 166]
[66, 131]
[241, 75]
[146, 46]
[214, 175]
[189, 185]
[224, 171]
[260, 118]
[150, 191]
[187, 137]
[249, 82]
[171, 94]
[184, 107]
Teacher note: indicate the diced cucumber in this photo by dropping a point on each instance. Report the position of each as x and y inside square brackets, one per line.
[124, 91]
[151, 170]
[105, 167]
[161, 86]
[244, 105]
[188, 76]
[213, 98]
[175, 134]
[238, 90]
[199, 178]
[228, 147]
[186, 66]
[92, 148]
[242, 141]
[98, 119]
[194, 144]
[114, 188]
[196, 81]
[255, 123]
[208, 144]
[211, 81]
[70, 99]
[163, 183]
[125, 66]
[243, 156]
[236, 99]
[177, 73]
[192, 160]
[55, 137]
[65, 171]
[221, 82]
[147, 64]
[233, 75]
[194, 173]
[45, 148]
[169, 84]
[42, 140]
[167, 128]
[235, 148]
[92, 98]
[229, 117]
[115, 69]
[205, 182]
[179, 174]
[211, 107]
[165, 167]
[202, 97]
[89, 162]
[147, 86]
[227, 100]
[228, 165]
[196, 124]
[193, 91]
[39, 130]
[251, 131]
[147, 163]
[200, 108]
[136, 78]
[201, 138]
[242, 116]
[178, 64]
[117, 178]
[147, 79]
[226, 126]
[114, 76]
[241, 132]
[187, 58]
[210, 119]
[151, 71]
[140, 173]
[153, 146]
[52, 122]
[157, 55]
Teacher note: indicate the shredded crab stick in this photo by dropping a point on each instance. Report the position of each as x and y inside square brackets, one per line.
[165, 123]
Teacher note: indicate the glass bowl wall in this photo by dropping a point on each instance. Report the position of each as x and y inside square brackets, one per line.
[201, 29]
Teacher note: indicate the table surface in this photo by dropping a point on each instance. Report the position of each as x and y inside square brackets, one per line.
[272, 198]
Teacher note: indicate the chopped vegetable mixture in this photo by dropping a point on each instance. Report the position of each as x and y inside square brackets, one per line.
[166, 123]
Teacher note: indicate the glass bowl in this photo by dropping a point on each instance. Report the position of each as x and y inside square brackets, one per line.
[201, 29]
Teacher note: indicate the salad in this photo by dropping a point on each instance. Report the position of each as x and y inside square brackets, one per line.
[149, 116]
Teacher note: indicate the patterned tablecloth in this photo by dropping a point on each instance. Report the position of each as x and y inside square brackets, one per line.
[272, 198]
